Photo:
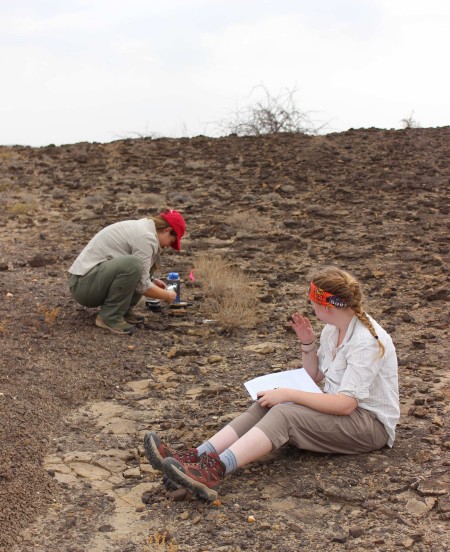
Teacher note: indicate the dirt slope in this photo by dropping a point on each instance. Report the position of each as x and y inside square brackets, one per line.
[75, 402]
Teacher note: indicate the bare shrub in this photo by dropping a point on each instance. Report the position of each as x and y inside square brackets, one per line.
[410, 122]
[271, 115]
[229, 295]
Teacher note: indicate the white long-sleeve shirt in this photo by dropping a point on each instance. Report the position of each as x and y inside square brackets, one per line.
[129, 237]
[355, 369]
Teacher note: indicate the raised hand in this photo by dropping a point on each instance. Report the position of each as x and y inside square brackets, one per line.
[302, 327]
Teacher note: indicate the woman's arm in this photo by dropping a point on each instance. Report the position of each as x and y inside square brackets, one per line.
[156, 292]
[330, 403]
[310, 362]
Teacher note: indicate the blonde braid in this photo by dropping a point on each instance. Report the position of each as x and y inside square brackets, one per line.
[364, 319]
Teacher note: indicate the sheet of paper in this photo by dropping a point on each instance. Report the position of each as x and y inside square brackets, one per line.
[293, 379]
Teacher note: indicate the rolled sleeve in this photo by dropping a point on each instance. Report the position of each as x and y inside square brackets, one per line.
[363, 365]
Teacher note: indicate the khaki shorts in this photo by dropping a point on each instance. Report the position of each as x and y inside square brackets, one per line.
[309, 429]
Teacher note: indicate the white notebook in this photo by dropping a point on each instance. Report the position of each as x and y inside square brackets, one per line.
[293, 379]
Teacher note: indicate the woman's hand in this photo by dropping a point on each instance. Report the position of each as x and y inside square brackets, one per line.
[171, 297]
[271, 397]
[159, 283]
[302, 327]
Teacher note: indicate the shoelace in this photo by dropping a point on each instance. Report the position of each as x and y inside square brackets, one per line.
[207, 461]
[191, 457]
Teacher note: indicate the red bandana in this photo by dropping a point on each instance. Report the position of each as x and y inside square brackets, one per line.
[324, 298]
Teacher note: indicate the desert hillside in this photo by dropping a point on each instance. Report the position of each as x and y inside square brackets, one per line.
[75, 401]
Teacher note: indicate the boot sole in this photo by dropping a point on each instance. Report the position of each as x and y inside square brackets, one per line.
[179, 477]
[99, 322]
[155, 460]
[151, 451]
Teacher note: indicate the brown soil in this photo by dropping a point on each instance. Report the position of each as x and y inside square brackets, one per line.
[75, 401]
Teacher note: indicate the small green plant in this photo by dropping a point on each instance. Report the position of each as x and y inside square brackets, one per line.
[229, 294]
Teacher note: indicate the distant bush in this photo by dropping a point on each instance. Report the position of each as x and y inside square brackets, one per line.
[271, 115]
[229, 295]
[410, 122]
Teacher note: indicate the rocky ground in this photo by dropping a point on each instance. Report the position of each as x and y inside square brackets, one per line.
[75, 402]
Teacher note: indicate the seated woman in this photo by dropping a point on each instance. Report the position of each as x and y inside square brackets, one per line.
[357, 412]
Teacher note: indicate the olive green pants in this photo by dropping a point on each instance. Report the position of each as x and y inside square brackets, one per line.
[110, 285]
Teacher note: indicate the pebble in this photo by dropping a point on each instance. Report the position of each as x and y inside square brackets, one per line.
[178, 494]
[355, 531]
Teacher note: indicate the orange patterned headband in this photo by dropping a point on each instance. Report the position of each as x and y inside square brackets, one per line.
[324, 298]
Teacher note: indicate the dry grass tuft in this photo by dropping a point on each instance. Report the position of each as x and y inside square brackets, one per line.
[50, 315]
[250, 222]
[22, 208]
[157, 543]
[229, 294]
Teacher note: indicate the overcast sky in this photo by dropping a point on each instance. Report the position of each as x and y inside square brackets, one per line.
[99, 70]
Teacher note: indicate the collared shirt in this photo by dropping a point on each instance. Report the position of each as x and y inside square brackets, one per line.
[129, 237]
[355, 369]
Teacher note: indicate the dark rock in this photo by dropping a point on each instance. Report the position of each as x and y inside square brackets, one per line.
[40, 260]
[440, 294]
[178, 494]
[355, 532]
[106, 528]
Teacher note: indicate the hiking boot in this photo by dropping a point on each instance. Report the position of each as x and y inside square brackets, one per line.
[132, 318]
[169, 484]
[156, 451]
[201, 478]
[121, 328]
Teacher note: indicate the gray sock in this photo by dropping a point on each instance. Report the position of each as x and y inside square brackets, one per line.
[229, 459]
[206, 447]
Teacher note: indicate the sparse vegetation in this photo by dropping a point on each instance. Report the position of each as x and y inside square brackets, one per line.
[20, 208]
[410, 121]
[229, 295]
[250, 222]
[49, 314]
[270, 115]
[159, 542]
